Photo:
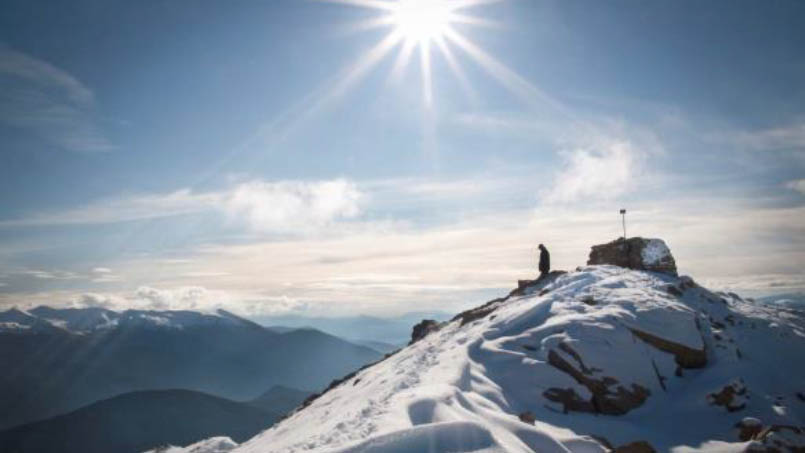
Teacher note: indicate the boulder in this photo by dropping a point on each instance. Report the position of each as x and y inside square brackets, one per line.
[528, 417]
[425, 327]
[771, 438]
[749, 428]
[635, 253]
[732, 396]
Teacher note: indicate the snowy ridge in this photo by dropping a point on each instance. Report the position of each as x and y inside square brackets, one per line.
[211, 445]
[603, 356]
[92, 319]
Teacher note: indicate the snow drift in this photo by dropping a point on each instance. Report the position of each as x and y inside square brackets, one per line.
[585, 361]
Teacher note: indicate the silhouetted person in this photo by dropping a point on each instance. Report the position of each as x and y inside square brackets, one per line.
[544, 261]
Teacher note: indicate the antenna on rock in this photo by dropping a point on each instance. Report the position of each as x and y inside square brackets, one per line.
[623, 216]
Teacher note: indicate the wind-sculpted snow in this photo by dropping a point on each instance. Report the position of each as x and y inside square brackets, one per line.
[603, 355]
[211, 445]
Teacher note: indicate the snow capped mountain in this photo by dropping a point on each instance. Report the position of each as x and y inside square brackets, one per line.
[17, 321]
[62, 359]
[585, 361]
[91, 319]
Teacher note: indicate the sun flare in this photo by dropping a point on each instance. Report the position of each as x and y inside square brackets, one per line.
[422, 21]
[428, 27]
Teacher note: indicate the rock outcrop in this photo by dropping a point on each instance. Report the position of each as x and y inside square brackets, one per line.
[635, 253]
[732, 396]
[608, 396]
[422, 329]
[686, 357]
[770, 438]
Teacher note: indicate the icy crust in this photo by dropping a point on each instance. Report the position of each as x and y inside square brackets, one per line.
[491, 385]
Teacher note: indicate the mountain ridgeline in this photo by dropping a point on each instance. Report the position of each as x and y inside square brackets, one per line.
[136, 421]
[63, 359]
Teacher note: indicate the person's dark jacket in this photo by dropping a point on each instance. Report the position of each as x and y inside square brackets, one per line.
[544, 261]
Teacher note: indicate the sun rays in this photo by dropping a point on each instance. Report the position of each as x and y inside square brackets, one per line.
[418, 26]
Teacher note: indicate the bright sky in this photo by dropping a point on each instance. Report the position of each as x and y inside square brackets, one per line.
[383, 156]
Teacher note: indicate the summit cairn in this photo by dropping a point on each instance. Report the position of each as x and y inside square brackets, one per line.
[635, 253]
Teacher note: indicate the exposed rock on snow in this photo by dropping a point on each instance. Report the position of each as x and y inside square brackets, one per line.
[685, 357]
[608, 396]
[782, 438]
[748, 428]
[546, 370]
[732, 397]
[527, 417]
[635, 253]
[424, 327]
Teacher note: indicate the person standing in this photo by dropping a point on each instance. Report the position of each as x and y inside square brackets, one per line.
[544, 261]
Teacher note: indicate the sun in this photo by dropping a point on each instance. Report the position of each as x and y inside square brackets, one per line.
[427, 27]
[422, 21]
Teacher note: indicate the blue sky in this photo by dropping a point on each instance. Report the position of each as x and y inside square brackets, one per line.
[261, 156]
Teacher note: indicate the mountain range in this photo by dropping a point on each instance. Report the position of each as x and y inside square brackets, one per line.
[63, 359]
[384, 333]
[136, 421]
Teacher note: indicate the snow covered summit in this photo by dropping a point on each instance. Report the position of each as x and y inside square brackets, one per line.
[591, 360]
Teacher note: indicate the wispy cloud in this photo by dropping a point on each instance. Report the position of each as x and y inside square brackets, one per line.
[600, 158]
[279, 206]
[797, 185]
[779, 137]
[49, 103]
[122, 209]
[604, 172]
[50, 274]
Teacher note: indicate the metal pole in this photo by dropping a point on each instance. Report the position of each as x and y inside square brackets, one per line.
[623, 215]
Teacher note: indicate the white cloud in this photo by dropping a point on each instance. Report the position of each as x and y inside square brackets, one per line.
[289, 206]
[798, 185]
[282, 206]
[102, 270]
[606, 172]
[186, 298]
[48, 102]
